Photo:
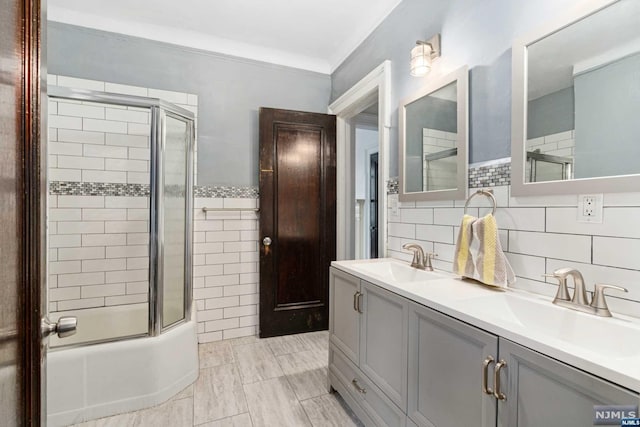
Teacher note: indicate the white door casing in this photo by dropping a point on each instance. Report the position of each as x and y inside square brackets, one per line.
[374, 86]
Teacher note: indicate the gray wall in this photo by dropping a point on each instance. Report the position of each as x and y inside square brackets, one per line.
[476, 33]
[230, 90]
[552, 113]
[607, 125]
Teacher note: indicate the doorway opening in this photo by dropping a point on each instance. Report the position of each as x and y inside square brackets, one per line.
[373, 90]
[366, 167]
[373, 205]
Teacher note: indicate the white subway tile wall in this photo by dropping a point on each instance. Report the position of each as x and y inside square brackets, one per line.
[225, 271]
[91, 260]
[98, 254]
[116, 130]
[539, 235]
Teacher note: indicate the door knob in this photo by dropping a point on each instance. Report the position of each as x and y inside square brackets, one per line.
[266, 241]
[64, 327]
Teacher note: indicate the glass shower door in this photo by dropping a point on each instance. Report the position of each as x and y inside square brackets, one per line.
[175, 183]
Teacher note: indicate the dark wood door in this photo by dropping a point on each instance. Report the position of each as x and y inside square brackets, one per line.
[21, 257]
[298, 215]
[373, 205]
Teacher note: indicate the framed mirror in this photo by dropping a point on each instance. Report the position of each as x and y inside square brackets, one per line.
[434, 139]
[576, 98]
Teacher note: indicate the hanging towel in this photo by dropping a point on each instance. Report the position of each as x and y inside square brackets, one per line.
[479, 254]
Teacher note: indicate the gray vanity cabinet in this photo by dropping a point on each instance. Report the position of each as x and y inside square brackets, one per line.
[445, 366]
[541, 391]
[383, 341]
[344, 318]
[398, 363]
[446, 373]
[368, 349]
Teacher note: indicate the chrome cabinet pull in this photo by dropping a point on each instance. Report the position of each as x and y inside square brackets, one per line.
[355, 301]
[485, 375]
[357, 386]
[496, 380]
[360, 302]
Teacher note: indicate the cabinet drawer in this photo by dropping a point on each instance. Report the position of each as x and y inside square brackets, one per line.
[382, 411]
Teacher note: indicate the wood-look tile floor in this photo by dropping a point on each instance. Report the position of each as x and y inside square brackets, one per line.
[251, 382]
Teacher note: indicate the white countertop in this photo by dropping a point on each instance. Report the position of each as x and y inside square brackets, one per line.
[606, 347]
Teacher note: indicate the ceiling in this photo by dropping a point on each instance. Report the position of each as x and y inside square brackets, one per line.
[314, 35]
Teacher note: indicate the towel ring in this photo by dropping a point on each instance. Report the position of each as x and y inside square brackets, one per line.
[486, 193]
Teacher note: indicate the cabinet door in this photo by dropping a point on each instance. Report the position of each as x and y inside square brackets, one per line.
[344, 327]
[445, 371]
[383, 341]
[541, 391]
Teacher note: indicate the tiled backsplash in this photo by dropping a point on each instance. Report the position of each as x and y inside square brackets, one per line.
[491, 174]
[488, 174]
[539, 235]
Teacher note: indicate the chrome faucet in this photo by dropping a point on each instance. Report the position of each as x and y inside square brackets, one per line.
[420, 260]
[580, 299]
[579, 294]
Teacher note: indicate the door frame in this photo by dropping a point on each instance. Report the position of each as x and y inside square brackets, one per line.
[374, 86]
[33, 297]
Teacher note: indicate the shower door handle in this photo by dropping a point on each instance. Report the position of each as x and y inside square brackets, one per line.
[64, 327]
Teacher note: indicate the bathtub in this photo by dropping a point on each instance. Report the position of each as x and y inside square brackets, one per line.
[94, 381]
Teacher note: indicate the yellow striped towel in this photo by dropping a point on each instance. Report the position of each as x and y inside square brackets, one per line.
[479, 253]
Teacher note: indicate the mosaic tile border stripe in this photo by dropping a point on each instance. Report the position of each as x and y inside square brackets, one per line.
[479, 177]
[206, 191]
[393, 186]
[490, 176]
[483, 176]
[73, 188]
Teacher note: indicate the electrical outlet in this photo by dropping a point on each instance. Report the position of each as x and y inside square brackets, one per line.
[590, 208]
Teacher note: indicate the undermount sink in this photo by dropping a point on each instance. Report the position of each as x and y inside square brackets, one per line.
[395, 271]
[615, 338]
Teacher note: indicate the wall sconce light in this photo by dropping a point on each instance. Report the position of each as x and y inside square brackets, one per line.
[422, 55]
